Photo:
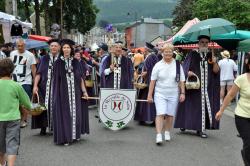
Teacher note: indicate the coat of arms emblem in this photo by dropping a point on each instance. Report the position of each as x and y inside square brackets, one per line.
[116, 107]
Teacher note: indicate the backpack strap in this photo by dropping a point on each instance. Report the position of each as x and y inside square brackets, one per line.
[177, 78]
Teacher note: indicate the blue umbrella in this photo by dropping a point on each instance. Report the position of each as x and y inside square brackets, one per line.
[30, 44]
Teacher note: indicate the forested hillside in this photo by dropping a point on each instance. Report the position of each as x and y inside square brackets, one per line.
[116, 11]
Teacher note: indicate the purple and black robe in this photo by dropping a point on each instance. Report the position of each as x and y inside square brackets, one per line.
[84, 103]
[45, 70]
[70, 117]
[198, 110]
[126, 75]
[146, 111]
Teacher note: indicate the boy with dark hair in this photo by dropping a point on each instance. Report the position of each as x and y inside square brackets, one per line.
[12, 96]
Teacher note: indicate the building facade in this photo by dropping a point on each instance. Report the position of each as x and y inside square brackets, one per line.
[99, 35]
[146, 30]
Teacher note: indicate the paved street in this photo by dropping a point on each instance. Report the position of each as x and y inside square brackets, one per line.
[134, 146]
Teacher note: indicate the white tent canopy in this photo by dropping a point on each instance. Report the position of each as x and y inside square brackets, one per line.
[6, 20]
[188, 24]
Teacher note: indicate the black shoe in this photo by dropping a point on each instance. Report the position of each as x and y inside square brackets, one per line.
[244, 158]
[142, 123]
[182, 129]
[43, 131]
[201, 134]
[152, 124]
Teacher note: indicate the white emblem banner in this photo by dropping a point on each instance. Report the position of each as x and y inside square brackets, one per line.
[117, 107]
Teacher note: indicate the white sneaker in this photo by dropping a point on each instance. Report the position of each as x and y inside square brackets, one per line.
[158, 139]
[167, 136]
[23, 124]
[66, 144]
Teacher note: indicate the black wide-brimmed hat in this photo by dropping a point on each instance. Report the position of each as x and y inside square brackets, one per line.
[67, 41]
[149, 46]
[53, 40]
[119, 42]
[103, 46]
[124, 49]
[203, 36]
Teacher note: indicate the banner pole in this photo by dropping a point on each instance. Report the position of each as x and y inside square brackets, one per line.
[97, 98]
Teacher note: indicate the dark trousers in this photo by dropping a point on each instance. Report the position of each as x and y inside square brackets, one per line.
[28, 89]
[243, 127]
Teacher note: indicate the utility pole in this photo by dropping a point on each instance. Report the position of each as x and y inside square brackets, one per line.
[135, 29]
[61, 19]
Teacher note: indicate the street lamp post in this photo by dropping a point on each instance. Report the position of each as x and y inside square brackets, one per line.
[135, 37]
[135, 29]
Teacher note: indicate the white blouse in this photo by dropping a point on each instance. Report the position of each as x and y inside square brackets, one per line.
[165, 76]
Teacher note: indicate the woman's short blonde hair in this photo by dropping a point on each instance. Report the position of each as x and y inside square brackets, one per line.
[167, 46]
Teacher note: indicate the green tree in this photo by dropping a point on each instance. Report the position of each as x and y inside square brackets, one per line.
[103, 23]
[54, 12]
[24, 9]
[45, 15]
[168, 22]
[236, 11]
[2, 5]
[79, 15]
[183, 12]
[37, 13]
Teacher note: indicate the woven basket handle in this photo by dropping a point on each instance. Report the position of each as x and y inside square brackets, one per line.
[197, 78]
[139, 78]
[32, 99]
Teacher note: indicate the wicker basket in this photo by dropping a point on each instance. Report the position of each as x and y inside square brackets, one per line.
[139, 84]
[193, 84]
[37, 108]
[89, 83]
